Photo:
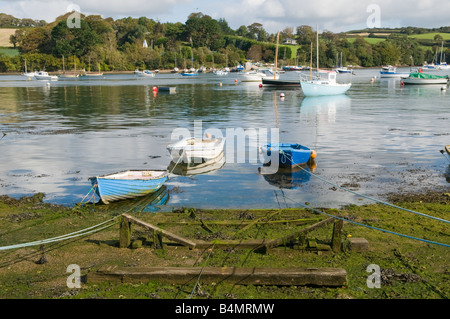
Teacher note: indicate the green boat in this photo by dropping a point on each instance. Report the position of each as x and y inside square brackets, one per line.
[424, 78]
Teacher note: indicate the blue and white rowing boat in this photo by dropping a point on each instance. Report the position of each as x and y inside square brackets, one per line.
[128, 184]
[289, 154]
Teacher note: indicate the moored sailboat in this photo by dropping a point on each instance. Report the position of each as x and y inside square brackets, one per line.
[323, 82]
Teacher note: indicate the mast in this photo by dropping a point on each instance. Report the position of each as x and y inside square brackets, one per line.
[310, 63]
[317, 40]
[276, 57]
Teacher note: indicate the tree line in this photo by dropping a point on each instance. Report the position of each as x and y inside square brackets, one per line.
[111, 45]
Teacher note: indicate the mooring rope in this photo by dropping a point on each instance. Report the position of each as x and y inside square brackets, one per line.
[178, 161]
[201, 271]
[368, 226]
[78, 233]
[368, 197]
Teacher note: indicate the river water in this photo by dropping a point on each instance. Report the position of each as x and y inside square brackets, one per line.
[380, 137]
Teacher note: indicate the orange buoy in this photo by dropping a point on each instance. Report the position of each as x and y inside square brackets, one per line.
[235, 80]
[260, 85]
[155, 89]
[313, 154]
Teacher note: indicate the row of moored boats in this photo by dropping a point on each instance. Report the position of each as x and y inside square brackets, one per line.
[198, 153]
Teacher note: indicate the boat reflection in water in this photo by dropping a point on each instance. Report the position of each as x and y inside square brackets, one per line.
[145, 204]
[290, 178]
[325, 107]
[190, 169]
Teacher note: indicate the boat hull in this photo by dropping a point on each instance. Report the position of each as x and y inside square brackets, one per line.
[310, 88]
[393, 75]
[128, 184]
[280, 82]
[191, 169]
[196, 150]
[46, 77]
[290, 155]
[447, 149]
[416, 81]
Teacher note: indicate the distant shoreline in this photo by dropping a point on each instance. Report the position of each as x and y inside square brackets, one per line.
[170, 71]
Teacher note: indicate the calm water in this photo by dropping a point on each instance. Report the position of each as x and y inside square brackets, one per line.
[379, 138]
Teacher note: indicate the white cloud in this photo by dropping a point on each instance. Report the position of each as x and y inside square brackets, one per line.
[336, 15]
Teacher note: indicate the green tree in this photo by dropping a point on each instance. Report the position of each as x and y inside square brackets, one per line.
[203, 31]
[305, 34]
[73, 41]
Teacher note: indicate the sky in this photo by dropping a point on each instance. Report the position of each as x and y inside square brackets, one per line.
[274, 15]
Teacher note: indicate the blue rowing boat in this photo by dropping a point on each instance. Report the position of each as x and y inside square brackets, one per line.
[290, 154]
[128, 184]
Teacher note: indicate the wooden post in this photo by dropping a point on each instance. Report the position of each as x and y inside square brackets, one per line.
[336, 239]
[165, 233]
[125, 233]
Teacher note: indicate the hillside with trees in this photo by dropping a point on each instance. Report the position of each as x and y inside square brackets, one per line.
[118, 45]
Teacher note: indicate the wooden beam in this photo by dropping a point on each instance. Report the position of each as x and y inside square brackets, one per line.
[331, 277]
[302, 221]
[293, 236]
[165, 233]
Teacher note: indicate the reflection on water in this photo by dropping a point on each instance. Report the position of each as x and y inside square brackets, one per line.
[191, 169]
[380, 137]
[290, 178]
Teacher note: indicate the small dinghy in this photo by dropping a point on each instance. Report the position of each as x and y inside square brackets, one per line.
[128, 184]
[196, 150]
[289, 154]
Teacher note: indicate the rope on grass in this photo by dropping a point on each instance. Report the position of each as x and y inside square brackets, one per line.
[370, 198]
[79, 233]
[368, 226]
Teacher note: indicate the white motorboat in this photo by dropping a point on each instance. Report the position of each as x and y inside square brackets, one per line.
[42, 75]
[145, 73]
[390, 71]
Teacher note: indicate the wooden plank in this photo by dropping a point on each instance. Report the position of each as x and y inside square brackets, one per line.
[331, 277]
[293, 236]
[165, 233]
[301, 221]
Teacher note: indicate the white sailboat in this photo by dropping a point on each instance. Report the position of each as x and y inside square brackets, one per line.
[323, 82]
[443, 64]
[28, 74]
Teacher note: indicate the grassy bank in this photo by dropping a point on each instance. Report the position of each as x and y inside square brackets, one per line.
[410, 268]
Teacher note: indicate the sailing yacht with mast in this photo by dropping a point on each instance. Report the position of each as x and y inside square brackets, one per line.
[28, 74]
[323, 82]
[68, 75]
[442, 63]
[92, 74]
